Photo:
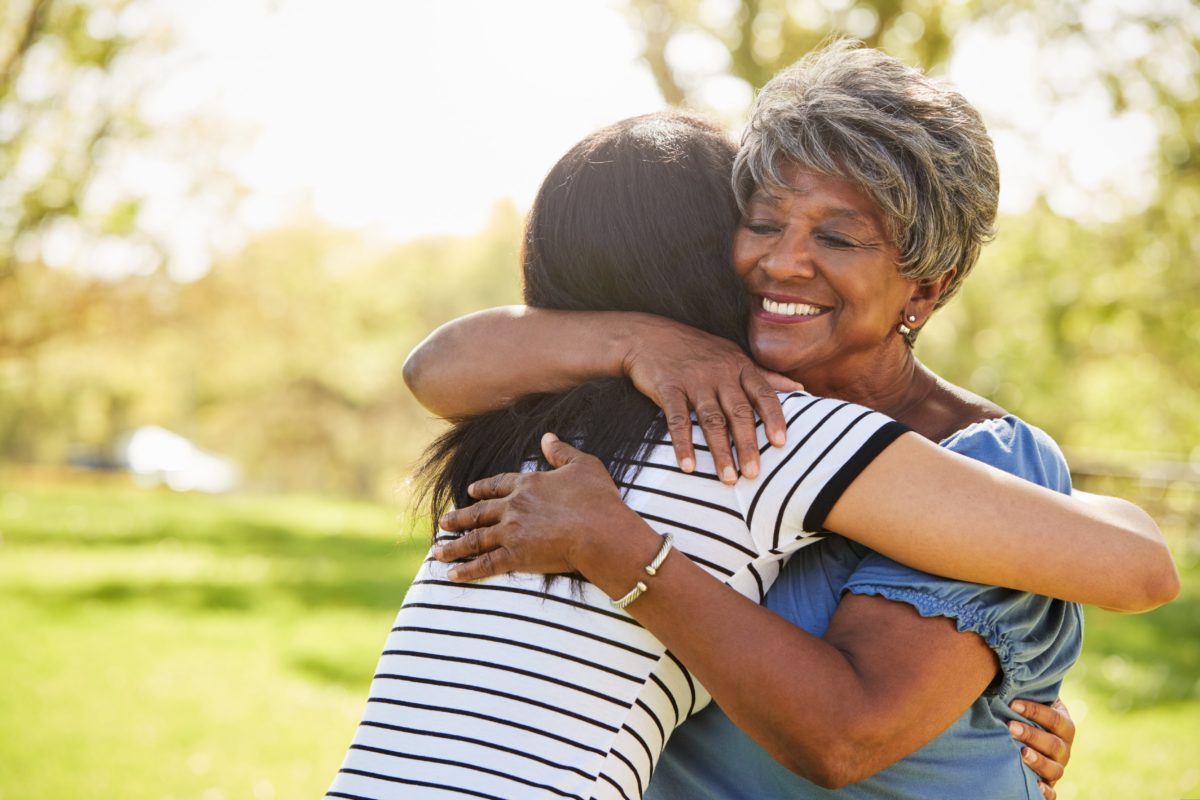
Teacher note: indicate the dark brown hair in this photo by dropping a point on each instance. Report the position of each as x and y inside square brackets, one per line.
[638, 216]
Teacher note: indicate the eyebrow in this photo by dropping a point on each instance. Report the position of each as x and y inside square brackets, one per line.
[844, 213]
[840, 212]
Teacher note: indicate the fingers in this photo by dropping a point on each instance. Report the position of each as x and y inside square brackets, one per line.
[1045, 752]
[558, 453]
[1063, 725]
[743, 427]
[493, 562]
[1043, 763]
[500, 485]
[476, 515]
[716, 432]
[766, 403]
[1055, 719]
[470, 544]
[679, 426]
[1047, 791]
[780, 383]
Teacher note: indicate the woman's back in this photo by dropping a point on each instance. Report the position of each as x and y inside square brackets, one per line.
[500, 689]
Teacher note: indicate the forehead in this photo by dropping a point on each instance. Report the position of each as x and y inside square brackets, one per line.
[810, 191]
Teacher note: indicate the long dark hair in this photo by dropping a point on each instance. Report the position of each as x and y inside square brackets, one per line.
[639, 216]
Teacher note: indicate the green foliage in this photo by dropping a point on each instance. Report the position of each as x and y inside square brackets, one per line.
[1086, 331]
[180, 646]
[763, 36]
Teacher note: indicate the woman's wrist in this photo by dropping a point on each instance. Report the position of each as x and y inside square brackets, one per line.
[625, 333]
[615, 558]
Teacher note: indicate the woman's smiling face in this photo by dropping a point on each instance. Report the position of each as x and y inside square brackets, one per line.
[822, 274]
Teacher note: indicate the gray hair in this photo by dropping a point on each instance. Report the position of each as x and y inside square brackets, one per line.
[918, 149]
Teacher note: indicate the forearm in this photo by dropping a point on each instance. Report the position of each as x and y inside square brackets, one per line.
[485, 360]
[830, 711]
[967, 521]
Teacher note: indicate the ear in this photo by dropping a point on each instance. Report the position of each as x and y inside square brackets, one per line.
[924, 297]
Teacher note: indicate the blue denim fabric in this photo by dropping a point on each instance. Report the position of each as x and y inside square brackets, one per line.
[1035, 638]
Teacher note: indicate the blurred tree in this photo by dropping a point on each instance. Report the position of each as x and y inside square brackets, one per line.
[79, 269]
[762, 36]
[56, 115]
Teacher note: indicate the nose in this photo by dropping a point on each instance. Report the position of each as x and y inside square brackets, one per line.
[789, 257]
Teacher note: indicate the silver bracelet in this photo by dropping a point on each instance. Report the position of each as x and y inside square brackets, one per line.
[651, 570]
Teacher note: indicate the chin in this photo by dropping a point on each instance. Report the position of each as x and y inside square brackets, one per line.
[775, 357]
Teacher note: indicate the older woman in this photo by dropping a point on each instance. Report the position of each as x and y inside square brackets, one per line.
[866, 192]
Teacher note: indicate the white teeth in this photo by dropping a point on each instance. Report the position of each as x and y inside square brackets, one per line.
[790, 309]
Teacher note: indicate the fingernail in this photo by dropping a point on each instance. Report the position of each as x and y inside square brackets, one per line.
[687, 464]
[1029, 755]
[1018, 707]
[779, 439]
[1017, 728]
[728, 475]
[751, 470]
[453, 573]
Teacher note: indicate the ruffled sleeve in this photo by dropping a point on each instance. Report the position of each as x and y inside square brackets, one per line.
[1036, 639]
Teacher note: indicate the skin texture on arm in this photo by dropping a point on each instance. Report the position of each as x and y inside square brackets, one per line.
[857, 700]
[512, 351]
[1023, 536]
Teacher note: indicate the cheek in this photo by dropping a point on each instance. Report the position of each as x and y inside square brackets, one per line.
[745, 255]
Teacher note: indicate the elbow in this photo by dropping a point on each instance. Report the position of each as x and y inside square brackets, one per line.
[1158, 585]
[835, 762]
[833, 768]
[1163, 586]
[420, 377]
[413, 371]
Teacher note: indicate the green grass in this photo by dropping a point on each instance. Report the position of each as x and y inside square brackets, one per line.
[164, 646]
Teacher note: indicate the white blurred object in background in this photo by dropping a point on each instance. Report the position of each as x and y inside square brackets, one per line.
[156, 455]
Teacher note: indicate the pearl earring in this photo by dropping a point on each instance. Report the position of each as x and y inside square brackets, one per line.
[904, 329]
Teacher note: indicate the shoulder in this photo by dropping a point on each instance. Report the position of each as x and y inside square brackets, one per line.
[1013, 445]
[829, 442]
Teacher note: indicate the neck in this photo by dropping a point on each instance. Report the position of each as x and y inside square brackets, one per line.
[892, 382]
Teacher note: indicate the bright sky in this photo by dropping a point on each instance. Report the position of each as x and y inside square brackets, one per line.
[411, 118]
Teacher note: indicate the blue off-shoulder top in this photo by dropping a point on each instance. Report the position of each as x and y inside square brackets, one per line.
[1036, 640]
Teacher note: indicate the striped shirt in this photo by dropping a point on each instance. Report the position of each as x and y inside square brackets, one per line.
[501, 689]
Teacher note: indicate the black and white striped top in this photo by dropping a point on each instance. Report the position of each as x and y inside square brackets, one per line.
[498, 689]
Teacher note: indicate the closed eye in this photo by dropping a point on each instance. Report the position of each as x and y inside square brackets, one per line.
[760, 228]
[837, 242]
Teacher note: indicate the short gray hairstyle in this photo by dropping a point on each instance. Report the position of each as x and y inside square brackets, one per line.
[918, 149]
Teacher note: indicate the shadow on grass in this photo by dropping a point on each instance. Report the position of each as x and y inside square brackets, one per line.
[347, 673]
[346, 589]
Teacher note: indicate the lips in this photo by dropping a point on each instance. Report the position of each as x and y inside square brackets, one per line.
[783, 309]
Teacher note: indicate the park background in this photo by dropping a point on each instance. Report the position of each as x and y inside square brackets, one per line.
[224, 224]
